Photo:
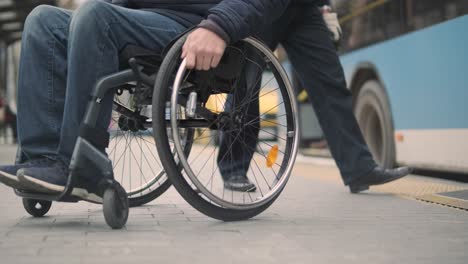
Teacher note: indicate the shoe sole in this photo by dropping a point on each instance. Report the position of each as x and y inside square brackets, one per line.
[358, 189]
[49, 188]
[11, 181]
[396, 178]
[253, 189]
[361, 188]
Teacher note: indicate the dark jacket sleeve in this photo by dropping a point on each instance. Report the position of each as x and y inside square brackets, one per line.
[124, 3]
[323, 2]
[243, 18]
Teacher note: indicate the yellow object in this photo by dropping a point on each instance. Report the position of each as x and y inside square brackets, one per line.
[216, 103]
[272, 156]
[303, 96]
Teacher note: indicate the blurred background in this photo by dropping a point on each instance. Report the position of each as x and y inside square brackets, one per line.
[12, 16]
[405, 64]
[404, 61]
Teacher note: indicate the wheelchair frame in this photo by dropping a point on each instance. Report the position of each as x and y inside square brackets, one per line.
[85, 152]
[116, 207]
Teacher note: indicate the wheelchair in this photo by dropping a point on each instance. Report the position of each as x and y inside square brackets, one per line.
[190, 129]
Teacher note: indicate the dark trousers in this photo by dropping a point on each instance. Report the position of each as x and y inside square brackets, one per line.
[307, 41]
[237, 147]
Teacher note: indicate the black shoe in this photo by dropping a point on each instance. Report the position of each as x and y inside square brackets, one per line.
[8, 173]
[378, 176]
[239, 184]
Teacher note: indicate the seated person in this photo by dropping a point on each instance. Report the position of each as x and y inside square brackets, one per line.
[64, 53]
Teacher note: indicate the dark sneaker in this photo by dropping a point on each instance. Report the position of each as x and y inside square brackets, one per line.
[378, 176]
[239, 184]
[8, 173]
[53, 179]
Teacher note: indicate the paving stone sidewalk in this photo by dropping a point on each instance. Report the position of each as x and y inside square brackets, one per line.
[315, 221]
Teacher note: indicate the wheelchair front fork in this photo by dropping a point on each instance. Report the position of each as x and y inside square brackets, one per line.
[89, 151]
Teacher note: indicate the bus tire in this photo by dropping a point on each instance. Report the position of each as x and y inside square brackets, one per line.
[373, 113]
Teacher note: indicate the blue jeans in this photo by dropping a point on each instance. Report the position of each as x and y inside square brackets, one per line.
[63, 54]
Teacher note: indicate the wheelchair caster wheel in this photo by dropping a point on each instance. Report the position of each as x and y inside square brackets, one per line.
[115, 206]
[36, 208]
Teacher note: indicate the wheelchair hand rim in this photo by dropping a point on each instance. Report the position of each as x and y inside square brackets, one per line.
[294, 134]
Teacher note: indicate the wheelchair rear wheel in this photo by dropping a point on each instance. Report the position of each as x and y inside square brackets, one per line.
[253, 119]
[136, 162]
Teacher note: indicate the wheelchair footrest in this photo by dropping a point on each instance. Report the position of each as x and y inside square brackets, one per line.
[47, 196]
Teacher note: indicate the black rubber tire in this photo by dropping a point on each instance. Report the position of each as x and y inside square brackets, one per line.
[149, 197]
[372, 110]
[115, 206]
[31, 206]
[161, 94]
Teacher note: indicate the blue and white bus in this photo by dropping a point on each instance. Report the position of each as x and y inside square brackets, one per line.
[406, 63]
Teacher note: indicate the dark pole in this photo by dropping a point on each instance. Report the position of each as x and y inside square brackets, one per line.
[3, 68]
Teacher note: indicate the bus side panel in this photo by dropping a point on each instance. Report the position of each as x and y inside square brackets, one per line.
[436, 149]
[426, 77]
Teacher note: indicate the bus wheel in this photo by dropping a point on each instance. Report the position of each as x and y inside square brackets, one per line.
[372, 111]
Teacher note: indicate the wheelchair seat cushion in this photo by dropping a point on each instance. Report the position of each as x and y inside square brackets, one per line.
[149, 59]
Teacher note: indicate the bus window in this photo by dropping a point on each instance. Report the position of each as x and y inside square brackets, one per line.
[424, 13]
[366, 22]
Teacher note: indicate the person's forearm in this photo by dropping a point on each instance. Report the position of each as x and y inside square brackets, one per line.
[229, 21]
[214, 27]
[236, 19]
